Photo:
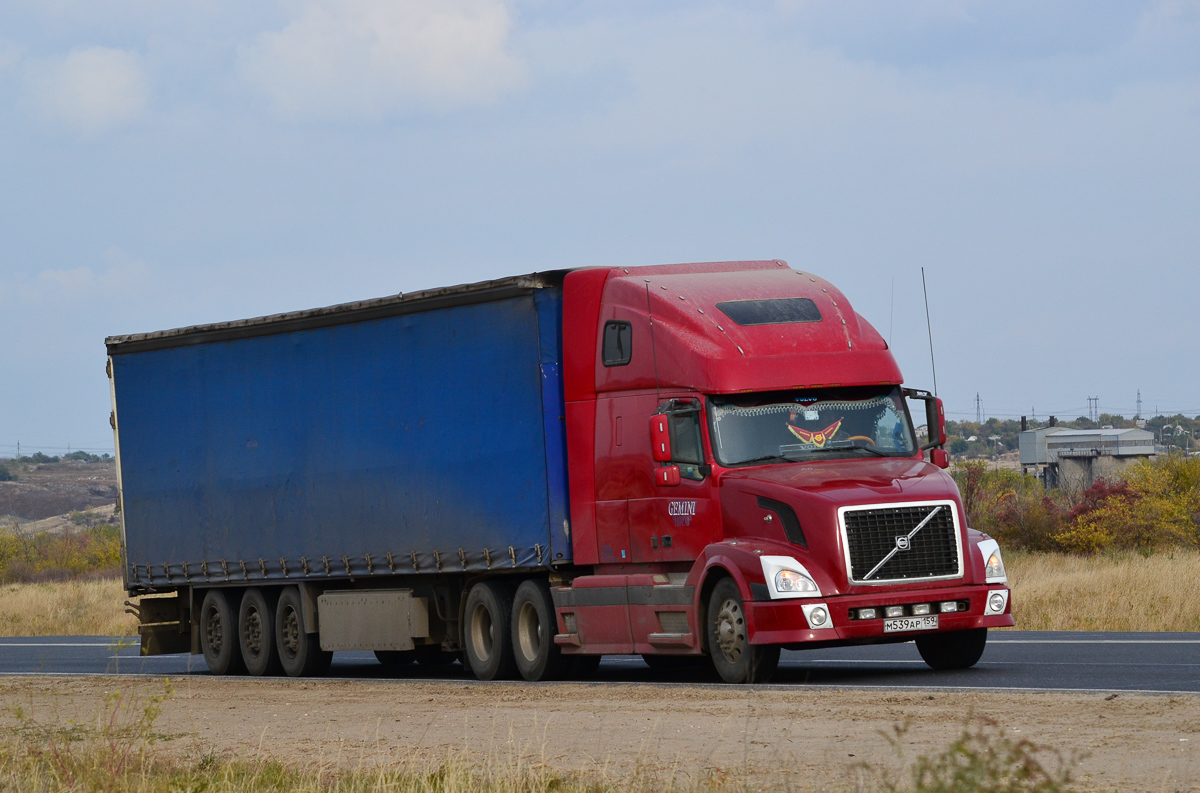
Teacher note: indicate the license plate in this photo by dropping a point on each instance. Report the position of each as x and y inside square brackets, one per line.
[899, 624]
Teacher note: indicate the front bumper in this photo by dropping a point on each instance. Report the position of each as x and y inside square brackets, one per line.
[783, 622]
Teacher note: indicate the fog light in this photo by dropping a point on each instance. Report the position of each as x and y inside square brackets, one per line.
[894, 611]
[920, 608]
[817, 617]
[996, 602]
[866, 614]
[948, 607]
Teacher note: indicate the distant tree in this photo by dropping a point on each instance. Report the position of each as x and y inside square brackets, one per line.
[39, 457]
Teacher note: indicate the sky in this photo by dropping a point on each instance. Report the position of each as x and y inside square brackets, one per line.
[168, 164]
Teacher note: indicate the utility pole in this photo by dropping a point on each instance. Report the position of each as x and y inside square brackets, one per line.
[978, 410]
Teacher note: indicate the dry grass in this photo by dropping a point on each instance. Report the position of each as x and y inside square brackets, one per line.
[1105, 592]
[93, 607]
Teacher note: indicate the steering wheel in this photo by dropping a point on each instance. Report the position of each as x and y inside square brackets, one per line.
[861, 438]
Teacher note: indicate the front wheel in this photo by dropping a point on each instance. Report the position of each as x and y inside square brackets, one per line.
[735, 658]
[954, 649]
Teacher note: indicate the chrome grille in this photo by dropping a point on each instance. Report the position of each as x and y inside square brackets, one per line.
[871, 534]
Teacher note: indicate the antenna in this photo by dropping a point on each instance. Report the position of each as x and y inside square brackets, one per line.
[978, 409]
[653, 348]
[891, 311]
[929, 328]
[1139, 410]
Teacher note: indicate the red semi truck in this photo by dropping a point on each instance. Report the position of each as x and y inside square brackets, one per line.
[741, 475]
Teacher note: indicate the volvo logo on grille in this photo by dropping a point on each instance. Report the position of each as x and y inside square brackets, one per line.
[902, 543]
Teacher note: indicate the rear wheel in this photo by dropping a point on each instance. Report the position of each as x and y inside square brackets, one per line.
[300, 653]
[256, 629]
[488, 637]
[953, 650]
[219, 634]
[533, 629]
[735, 658]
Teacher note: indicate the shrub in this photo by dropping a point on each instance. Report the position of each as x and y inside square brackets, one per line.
[82, 457]
[1008, 505]
[46, 556]
[7, 474]
[984, 759]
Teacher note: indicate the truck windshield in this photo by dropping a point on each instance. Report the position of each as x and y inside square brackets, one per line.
[785, 426]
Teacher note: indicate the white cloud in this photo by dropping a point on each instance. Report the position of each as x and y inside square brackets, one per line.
[91, 89]
[373, 57]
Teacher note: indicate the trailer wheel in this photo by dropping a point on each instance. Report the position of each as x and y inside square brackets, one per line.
[735, 658]
[487, 636]
[953, 650]
[533, 627]
[219, 635]
[256, 629]
[300, 653]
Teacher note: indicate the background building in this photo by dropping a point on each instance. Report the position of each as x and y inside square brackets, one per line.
[1075, 459]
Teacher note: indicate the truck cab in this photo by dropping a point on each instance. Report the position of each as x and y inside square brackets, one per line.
[745, 476]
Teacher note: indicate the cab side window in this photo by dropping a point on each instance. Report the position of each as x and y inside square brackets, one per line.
[618, 343]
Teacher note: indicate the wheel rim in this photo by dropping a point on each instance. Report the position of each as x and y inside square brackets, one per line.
[482, 638]
[213, 632]
[529, 632]
[290, 633]
[731, 630]
[252, 632]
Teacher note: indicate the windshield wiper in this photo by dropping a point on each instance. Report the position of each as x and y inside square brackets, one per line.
[869, 449]
[770, 458]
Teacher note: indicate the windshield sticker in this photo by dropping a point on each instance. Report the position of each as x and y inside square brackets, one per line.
[682, 512]
[816, 437]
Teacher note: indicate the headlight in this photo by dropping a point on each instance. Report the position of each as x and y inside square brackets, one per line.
[818, 616]
[993, 563]
[995, 566]
[791, 581]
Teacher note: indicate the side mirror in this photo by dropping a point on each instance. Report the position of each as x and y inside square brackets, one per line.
[660, 441]
[935, 417]
[940, 458]
[667, 476]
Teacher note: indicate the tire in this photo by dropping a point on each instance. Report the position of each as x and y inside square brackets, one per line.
[487, 636]
[256, 631]
[953, 650]
[735, 658]
[300, 653]
[533, 627]
[219, 634]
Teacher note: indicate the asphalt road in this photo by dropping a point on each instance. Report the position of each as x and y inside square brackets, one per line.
[1067, 661]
